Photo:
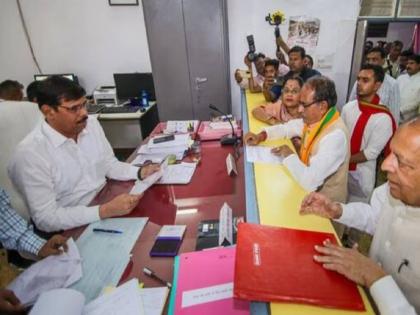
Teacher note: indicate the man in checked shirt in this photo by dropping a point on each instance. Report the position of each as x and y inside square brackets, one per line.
[15, 233]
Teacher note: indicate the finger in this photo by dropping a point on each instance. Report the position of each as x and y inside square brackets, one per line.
[275, 150]
[327, 259]
[11, 297]
[329, 251]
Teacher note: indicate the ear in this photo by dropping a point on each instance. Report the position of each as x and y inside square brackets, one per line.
[47, 111]
[324, 107]
[377, 85]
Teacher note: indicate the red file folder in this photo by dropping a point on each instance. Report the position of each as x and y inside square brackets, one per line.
[276, 265]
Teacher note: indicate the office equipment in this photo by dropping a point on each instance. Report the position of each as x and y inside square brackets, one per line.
[163, 138]
[153, 275]
[226, 139]
[168, 241]
[206, 132]
[120, 109]
[124, 299]
[105, 255]
[261, 154]
[204, 284]
[94, 109]
[42, 77]
[105, 95]
[276, 264]
[50, 273]
[130, 85]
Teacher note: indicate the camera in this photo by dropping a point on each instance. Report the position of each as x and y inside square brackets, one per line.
[251, 48]
[276, 18]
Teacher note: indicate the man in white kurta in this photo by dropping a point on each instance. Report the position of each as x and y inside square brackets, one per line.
[377, 131]
[392, 273]
[409, 85]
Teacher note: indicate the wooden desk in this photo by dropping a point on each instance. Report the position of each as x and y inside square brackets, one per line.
[163, 204]
[274, 198]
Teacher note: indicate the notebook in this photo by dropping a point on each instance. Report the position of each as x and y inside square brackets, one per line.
[275, 264]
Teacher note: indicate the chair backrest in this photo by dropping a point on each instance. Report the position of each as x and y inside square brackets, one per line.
[17, 119]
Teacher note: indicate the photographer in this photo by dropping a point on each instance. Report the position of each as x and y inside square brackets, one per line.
[255, 80]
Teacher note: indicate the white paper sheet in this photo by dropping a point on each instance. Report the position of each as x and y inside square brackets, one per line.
[50, 273]
[59, 301]
[153, 300]
[174, 126]
[173, 231]
[141, 186]
[208, 294]
[261, 154]
[178, 173]
[123, 300]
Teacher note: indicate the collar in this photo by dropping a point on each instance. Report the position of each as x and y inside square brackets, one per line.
[55, 137]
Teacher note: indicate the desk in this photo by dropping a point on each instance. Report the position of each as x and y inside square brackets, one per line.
[275, 200]
[209, 189]
[125, 130]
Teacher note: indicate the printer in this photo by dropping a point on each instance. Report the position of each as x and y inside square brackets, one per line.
[105, 95]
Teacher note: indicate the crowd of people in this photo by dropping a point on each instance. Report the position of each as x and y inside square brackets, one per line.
[336, 154]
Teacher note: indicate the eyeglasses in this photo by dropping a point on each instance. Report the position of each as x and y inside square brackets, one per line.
[76, 108]
[294, 91]
[307, 105]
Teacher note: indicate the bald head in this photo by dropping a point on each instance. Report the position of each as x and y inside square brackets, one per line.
[403, 164]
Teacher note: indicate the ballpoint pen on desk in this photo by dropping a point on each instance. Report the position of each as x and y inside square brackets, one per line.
[107, 231]
[151, 274]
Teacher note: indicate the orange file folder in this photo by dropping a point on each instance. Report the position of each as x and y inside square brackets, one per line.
[276, 264]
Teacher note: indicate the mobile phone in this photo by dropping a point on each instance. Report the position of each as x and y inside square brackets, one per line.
[165, 247]
[164, 139]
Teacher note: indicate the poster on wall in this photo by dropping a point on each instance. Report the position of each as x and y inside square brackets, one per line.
[303, 31]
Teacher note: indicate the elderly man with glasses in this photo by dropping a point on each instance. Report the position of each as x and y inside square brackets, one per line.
[63, 163]
[323, 160]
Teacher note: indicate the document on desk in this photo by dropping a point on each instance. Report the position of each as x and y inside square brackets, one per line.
[153, 300]
[106, 255]
[181, 126]
[261, 154]
[178, 151]
[179, 140]
[140, 186]
[49, 273]
[178, 173]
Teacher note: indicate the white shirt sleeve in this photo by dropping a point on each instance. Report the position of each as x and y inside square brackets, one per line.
[115, 169]
[290, 129]
[395, 102]
[364, 216]
[331, 154]
[34, 181]
[380, 132]
[389, 298]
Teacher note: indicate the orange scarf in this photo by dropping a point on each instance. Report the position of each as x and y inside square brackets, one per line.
[311, 134]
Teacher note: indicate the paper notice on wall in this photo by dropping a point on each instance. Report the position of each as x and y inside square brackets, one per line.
[324, 62]
[304, 32]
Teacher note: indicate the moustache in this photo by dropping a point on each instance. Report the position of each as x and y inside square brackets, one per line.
[83, 119]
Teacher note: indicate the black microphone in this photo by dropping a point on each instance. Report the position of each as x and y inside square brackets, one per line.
[226, 139]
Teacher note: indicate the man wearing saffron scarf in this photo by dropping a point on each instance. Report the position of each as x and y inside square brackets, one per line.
[322, 164]
[371, 126]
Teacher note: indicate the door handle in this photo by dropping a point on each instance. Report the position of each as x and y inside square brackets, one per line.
[199, 80]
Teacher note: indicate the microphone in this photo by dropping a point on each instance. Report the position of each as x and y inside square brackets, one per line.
[226, 139]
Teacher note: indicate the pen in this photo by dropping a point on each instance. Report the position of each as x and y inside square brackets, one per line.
[151, 274]
[107, 231]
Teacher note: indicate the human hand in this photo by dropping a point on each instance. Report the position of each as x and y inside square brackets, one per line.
[252, 138]
[121, 205]
[280, 56]
[9, 303]
[148, 170]
[268, 83]
[297, 143]
[319, 204]
[247, 61]
[56, 245]
[238, 76]
[283, 151]
[349, 262]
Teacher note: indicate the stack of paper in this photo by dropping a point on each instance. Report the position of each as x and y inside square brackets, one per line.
[50, 273]
[181, 126]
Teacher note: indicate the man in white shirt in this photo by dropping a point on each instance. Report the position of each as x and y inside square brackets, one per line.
[389, 92]
[371, 126]
[409, 85]
[63, 163]
[392, 273]
[392, 61]
[255, 80]
[323, 158]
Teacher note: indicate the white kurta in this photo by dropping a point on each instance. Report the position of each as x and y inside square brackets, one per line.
[59, 177]
[395, 228]
[410, 95]
[376, 135]
[330, 156]
[389, 94]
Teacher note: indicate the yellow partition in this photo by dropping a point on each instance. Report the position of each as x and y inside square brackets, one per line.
[278, 198]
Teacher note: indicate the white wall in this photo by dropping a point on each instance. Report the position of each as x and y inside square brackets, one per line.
[338, 23]
[402, 31]
[85, 37]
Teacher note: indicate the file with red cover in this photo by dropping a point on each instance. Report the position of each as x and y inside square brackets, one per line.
[275, 264]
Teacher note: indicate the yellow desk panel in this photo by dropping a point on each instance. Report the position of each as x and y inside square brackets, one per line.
[279, 197]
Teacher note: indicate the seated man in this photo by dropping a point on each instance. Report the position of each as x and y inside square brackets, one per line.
[409, 85]
[11, 91]
[286, 108]
[254, 81]
[270, 90]
[371, 126]
[392, 273]
[62, 164]
[324, 153]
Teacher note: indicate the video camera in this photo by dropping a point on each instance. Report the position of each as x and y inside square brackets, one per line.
[251, 48]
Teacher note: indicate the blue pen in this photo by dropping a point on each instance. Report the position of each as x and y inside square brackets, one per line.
[107, 231]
